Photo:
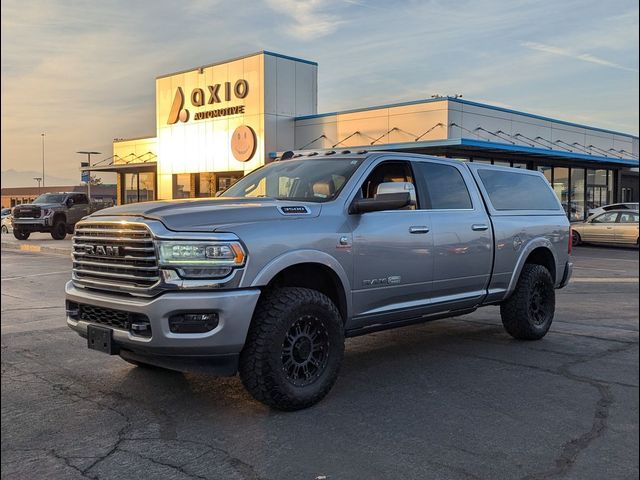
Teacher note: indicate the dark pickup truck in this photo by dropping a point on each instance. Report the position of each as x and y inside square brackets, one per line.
[56, 213]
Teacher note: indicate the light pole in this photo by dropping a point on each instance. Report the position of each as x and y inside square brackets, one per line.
[88, 154]
[38, 179]
[42, 136]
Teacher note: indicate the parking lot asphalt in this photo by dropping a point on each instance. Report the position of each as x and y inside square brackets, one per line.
[451, 399]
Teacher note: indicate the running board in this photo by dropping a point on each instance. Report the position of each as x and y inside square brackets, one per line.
[356, 332]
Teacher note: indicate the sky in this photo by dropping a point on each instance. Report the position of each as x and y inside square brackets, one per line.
[84, 72]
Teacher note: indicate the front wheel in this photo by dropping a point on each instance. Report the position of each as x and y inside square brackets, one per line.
[59, 230]
[294, 348]
[527, 314]
[5, 229]
[20, 234]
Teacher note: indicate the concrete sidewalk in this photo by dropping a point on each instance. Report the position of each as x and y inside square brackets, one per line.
[37, 242]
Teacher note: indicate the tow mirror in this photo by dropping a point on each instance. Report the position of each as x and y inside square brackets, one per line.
[69, 202]
[389, 196]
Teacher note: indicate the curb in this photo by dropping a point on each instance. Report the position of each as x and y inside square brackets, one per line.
[34, 248]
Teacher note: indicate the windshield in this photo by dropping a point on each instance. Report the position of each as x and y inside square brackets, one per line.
[312, 180]
[50, 198]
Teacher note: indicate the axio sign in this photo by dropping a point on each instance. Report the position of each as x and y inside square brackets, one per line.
[214, 94]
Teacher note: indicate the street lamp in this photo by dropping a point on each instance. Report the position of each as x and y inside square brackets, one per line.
[88, 154]
[38, 179]
[42, 136]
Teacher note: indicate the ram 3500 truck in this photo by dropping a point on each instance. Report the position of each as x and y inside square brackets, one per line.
[270, 277]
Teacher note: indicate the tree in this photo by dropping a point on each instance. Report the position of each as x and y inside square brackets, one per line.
[95, 180]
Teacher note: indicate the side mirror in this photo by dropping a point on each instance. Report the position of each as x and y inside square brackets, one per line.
[389, 196]
[218, 193]
[69, 202]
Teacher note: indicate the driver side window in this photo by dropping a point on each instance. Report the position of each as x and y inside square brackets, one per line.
[391, 171]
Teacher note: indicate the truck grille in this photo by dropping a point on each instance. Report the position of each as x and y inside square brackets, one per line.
[115, 256]
[26, 212]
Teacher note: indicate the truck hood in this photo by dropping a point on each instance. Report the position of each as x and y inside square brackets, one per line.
[209, 214]
[39, 205]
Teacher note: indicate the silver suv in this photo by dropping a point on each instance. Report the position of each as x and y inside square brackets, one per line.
[270, 277]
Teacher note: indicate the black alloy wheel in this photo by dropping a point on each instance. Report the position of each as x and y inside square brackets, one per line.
[305, 350]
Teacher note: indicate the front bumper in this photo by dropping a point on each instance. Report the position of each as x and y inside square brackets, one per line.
[31, 222]
[566, 276]
[180, 351]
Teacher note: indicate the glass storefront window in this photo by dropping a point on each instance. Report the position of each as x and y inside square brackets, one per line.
[146, 186]
[519, 165]
[130, 190]
[207, 185]
[561, 186]
[547, 172]
[182, 185]
[599, 188]
[138, 187]
[576, 201]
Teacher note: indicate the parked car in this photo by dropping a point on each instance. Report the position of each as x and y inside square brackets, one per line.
[615, 227]
[6, 220]
[270, 277]
[56, 213]
[613, 206]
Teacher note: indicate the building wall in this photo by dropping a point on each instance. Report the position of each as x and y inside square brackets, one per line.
[397, 124]
[279, 89]
[447, 119]
[135, 150]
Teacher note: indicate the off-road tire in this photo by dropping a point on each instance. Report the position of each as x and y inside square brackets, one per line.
[262, 361]
[20, 234]
[59, 230]
[527, 314]
[576, 239]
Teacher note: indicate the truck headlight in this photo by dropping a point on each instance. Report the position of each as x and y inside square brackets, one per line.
[46, 212]
[201, 254]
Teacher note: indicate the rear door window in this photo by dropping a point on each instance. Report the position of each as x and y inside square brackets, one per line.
[446, 189]
[628, 218]
[517, 191]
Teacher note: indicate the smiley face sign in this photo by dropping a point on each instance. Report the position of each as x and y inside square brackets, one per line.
[243, 143]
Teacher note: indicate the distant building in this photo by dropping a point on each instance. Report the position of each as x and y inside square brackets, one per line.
[12, 196]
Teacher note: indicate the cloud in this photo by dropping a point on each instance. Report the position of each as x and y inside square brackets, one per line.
[311, 19]
[570, 53]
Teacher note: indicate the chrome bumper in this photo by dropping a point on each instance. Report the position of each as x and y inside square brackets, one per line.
[43, 222]
[234, 308]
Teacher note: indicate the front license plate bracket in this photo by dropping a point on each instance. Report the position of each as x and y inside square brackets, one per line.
[101, 339]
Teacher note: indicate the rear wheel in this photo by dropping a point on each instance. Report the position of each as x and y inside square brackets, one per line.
[20, 234]
[527, 314]
[575, 238]
[59, 230]
[294, 348]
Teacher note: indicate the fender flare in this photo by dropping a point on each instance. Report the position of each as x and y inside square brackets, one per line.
[296, 257]
[524, 254]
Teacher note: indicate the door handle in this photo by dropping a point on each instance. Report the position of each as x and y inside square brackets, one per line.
[419, 229]
[479, 227]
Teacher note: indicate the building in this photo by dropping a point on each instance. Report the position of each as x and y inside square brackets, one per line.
[12, 196]
[218, 122]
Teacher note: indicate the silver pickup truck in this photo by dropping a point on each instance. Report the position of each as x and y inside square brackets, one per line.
[270, 277]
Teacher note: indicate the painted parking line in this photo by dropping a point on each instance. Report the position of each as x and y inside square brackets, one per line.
[68, 271]
[604, 280]
[600, 269]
